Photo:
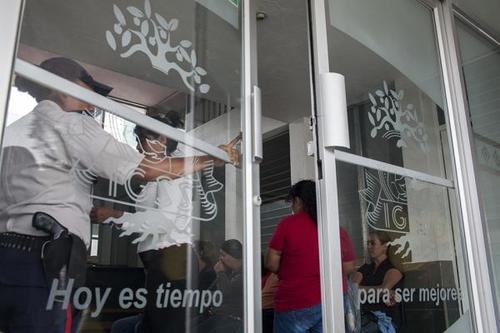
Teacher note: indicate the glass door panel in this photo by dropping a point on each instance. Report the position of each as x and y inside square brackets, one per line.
[393, 188]
[143, 163]
[481, 70]
[393, 80]
[418, 221]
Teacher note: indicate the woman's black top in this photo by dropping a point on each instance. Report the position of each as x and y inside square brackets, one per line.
[375, 277]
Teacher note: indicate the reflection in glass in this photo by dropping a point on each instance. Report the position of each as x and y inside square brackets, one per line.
[481, 68]
[166, 60]
[393, 83]
[423, 244]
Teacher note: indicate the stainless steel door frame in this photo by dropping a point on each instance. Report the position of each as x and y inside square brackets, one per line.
[10, 16]
[326, 174]
[326, 180]
[465, 174]
[251, 180]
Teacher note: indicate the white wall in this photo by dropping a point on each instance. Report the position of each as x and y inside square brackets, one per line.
[301, 165]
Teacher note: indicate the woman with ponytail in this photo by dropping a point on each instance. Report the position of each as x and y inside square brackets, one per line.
[294, 255]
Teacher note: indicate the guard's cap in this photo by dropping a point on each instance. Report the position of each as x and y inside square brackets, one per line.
[71, 70]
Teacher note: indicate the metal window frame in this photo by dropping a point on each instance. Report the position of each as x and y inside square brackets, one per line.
[343, 156]
[252, 321]
[483, 305]
[50, 80]
[10, 16]
[326, 185]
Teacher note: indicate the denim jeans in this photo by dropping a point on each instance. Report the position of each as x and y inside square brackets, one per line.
[307, 320]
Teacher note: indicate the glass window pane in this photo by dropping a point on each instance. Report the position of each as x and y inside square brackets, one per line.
[409, 230]
[165, 208]
[391, 65]
[481, 68]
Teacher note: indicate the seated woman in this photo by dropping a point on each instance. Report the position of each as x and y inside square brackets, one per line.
[381, 276]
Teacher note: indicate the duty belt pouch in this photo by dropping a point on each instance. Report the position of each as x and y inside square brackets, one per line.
[64, 257]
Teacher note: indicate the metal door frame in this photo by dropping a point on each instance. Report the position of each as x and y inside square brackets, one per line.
[482, 305]
[11, 16]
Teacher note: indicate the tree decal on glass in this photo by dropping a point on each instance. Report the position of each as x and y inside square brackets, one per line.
[386, 115]
[151, 35]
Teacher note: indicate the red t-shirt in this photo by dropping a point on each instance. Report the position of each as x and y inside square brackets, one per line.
[296, 237]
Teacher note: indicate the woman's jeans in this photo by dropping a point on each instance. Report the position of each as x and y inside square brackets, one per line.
[307, 320]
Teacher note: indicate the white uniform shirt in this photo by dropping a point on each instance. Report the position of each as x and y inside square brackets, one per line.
[163, 215]
[49, 160]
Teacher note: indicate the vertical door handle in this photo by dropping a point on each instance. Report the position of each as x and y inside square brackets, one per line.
[256, 124]
[333, 110]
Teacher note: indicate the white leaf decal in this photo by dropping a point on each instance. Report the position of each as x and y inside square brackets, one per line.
[204, 88]
[145, 27]
[126, 37]
[197, 78]
[201, 71]
[147, 8]
[135, 11]
[111, 40]
[193, 57]
[162, 21]
[184, 54]
[186, 43]
[118, 28]
[119, 15]
[173, 24]
[372, 99]
[153, 29]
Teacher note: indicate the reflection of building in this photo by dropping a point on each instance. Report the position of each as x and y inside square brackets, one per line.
[416, 135]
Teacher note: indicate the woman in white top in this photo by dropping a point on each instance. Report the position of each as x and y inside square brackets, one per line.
[163, 223]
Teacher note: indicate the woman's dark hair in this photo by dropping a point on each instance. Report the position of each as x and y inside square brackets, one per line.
[171, 118]
[233, 247]
[305, 190]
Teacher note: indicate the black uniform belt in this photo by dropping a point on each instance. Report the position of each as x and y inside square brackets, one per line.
[22, 242]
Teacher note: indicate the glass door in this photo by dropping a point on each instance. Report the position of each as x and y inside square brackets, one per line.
[386, 174]
[137, 117]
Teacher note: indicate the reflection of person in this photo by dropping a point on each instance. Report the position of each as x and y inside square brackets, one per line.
[293, 254]
[228, 317]
[166, 207]
[207, 257]
[49, 159]
[380, 274]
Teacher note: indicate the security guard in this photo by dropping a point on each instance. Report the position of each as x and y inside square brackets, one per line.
[49, 160]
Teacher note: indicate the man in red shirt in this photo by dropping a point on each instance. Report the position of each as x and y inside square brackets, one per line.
[294, 255]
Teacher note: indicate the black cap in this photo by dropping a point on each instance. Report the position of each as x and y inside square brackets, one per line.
[71, 70]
